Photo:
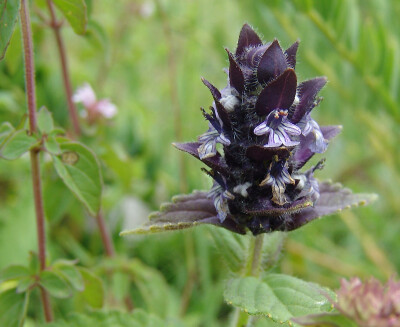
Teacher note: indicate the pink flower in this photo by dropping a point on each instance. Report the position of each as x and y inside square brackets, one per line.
[94, 108]
[370, 304]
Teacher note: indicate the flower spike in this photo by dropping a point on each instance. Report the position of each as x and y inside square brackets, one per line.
[260, 135]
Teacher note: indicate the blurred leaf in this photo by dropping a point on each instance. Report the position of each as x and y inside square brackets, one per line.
[325, 320]
[75, 12]
[12, 308]
[272, 249]
[52, 146]
[80, 171]
[280, 297]
[45, 120]
[232, 247]
[153, 288]
[71, 274]
[9, 10]
[5, 130]
[96, 35]
[25, 283]
[93, 294]
[138, 318]
[13, 272]
[55, 284]
[16, 145]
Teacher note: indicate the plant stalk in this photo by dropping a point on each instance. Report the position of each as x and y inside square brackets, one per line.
[105, 235]
[56, 26]
[241, 318]
[34, 153]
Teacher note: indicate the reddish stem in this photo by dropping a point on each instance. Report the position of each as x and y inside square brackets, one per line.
[105, 235]
[56, 25]
[36, 180]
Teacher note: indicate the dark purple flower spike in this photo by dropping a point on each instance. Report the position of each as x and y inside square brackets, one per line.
[262, 122]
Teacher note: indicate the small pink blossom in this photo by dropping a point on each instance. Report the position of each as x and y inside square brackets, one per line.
[94, 108]
[370, 304]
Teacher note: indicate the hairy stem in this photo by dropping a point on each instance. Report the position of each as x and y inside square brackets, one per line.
[105, 235]
[241, 318]
[36, 179]
[56, 26]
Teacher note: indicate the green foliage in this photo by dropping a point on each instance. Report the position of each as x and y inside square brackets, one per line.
[93, 293]
[16, 144]
[45, 120]
[325, 320]
[13, 272]
[9, 11]
[54, 283]
[12, 308]
[79, 169]
[138, 318]
[75, 12]
[280, 297]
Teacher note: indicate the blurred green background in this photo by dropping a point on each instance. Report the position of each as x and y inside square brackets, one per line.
[148, 57]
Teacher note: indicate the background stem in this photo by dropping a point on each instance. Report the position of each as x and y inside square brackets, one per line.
[56, 25]
[36, 179]
[105, 235]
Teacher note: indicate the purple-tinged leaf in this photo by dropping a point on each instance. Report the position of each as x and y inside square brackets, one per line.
[303, 152]
[279, 94]
[291, 55]
[265, 207]
[186, 211]
[272, 63]
[216, 162]
[214, 91]
[333, 198]
[222, 113]
[247, 38]
[307, 91]
[236, 78]
[260, 153]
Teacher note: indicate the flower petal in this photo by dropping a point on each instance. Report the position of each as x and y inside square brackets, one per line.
[291, 55]
[307, 91]
[278, 94]
[236, 78]
[247, 38]
[216, 162]
[272, 63]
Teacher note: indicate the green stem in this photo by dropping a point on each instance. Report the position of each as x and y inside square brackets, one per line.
[241, 318]
[36, 179]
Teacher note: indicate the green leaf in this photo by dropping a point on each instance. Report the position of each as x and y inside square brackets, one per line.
[138, 318]
[5, 130]
[52, 145]
[25, 284]
[13, 272]
[232, 247]
[55, 284]
[71, 274]
[93, 294]
[96, 35]
[272, 249]
[277, 296]
[75, 12]
[16, 145]
[325, 320]
[80, 171]
[9, 10]
[45, 120]
[13, 308]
